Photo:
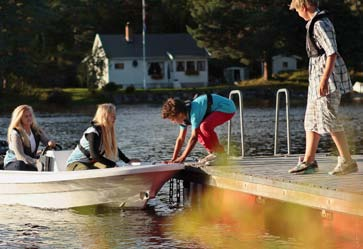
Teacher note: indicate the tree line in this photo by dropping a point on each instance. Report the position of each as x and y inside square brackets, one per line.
[43, 42]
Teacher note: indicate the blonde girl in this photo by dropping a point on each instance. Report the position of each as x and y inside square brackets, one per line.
[98, 146]
[24, 136]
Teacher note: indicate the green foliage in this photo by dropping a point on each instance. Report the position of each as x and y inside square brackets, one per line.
[110, 87]
[93, 69]
[250, 31]
[42, 43]
[168, 16]
[59, 97]
[254, 31]
[356, 76]
[301, 76]
[22, 38]
[348, 23]
[130, 89]
[294, 76]
[16, 84]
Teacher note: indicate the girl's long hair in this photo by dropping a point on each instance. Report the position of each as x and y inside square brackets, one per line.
[16, 123]
[108, 130]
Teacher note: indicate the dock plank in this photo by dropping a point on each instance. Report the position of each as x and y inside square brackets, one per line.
[268, 177]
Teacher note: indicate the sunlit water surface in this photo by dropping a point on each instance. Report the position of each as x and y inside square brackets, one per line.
[143, 134]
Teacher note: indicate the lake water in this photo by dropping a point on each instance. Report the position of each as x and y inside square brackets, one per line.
[143, 134]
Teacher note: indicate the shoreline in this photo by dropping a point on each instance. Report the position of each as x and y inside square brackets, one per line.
[252, 96]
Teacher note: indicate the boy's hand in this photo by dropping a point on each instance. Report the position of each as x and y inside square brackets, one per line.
[323, 89]
[179, 160]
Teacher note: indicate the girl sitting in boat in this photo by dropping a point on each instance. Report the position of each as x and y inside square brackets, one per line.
[24, 136]
[97, 148]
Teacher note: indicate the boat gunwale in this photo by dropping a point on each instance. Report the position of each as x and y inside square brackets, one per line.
[21, 177]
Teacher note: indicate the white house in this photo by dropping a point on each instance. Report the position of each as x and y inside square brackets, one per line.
[284, 63]
[235, 74]
[172, 60]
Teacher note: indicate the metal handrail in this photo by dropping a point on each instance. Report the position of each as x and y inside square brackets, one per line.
[240, 98]
[287, 97]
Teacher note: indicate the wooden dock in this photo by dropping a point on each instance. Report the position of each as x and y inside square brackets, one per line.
[268, 177]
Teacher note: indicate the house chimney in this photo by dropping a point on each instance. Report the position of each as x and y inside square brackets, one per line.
[128, 33]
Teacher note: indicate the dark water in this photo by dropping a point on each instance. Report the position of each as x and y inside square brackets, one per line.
[143, 134]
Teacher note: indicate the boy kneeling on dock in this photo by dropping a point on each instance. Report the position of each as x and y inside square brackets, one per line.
[203, 114]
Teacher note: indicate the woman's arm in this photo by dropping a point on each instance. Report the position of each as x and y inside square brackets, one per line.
[123, 157]
[45, 139]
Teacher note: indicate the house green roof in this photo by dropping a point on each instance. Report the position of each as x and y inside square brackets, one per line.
[157, 45]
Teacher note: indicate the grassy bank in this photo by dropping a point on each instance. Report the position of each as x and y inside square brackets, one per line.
[74, 99]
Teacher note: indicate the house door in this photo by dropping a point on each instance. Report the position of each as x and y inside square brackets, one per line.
[237, 75]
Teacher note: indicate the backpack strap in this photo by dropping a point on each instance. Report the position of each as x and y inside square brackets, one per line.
[311, 48]
[209, 105]
[188, 104]
[207, 112]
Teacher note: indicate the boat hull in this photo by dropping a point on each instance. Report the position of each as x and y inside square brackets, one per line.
[129, 186]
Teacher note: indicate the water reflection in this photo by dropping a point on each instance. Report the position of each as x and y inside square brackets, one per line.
[228, 219]
[142, 133]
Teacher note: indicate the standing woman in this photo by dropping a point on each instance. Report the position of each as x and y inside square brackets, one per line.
[97, 148]
[24, 136]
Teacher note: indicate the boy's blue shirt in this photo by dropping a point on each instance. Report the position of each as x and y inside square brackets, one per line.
[199, 107]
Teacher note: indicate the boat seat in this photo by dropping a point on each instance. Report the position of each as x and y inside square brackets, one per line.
[59, 159]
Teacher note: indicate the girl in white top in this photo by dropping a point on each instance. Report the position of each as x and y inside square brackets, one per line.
[24, 136]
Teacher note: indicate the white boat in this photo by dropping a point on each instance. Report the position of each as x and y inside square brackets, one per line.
[124, 186]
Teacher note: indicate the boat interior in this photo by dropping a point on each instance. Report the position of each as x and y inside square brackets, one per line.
[55, 160]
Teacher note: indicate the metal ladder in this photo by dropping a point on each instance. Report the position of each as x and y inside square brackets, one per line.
[240, 99]
[287, 98]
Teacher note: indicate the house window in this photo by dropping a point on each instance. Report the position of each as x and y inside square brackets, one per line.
[180, 66]
[155, 70]
[119, 66]
[191, 68]
[285, 64]
[190, 65]
[201, 65]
